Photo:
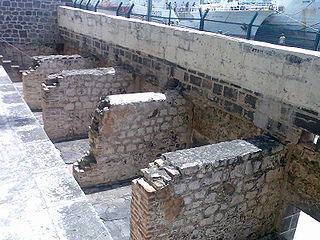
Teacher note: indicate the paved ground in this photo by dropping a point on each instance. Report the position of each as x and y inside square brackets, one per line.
[39, 198]
[112, 203]
[113, 206]
[71, 151]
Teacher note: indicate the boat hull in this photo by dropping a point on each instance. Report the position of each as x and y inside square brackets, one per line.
[295, 35]
[233, 23]
[299, 22]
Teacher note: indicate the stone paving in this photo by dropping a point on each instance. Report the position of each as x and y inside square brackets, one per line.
[112, 203]
[71, 151]
[39, 199]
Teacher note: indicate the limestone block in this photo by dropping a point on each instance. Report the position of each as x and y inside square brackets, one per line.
[131, 120]
[46, 65]
[67, 95]
[225, 195]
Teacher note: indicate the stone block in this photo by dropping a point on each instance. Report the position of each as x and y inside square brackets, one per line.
[226, 194]
[46, 65]
[131, 120]
[67, 95]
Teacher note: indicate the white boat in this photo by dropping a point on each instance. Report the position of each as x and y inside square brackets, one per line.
[298, 20]
[140, 9]
[231, 17]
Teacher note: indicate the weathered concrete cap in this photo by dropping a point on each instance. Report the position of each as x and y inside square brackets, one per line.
[42, 58]
[123, 99]
[221, 153]
[92, 71]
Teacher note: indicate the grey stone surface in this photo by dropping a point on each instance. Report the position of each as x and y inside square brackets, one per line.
[219, 153]
[39, 199]
[113, 206]
[74, 150]
[19, 87]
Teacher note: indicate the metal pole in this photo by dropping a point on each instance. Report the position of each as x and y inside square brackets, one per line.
[202, 17]
[130, 10]
[250, 26]
[118, 9]
[87, 7]
[95, 7]
[80, 4]
[169, 23]
[149, 10]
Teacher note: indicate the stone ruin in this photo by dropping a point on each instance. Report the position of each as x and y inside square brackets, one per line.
[70, 97]
[210, 159]
[231, 189]
[128, 130]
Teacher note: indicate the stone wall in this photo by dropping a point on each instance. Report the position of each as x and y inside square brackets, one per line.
[70, 98]
[279, 72]
[230, 190]
[272, 87]
[211, 124]
[128, 131]
[303, 183]
[46, 65]
[30, 21]
[236, 88]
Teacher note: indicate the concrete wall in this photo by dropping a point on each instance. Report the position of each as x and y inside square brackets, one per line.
[69, 98]
[230, 190]
[128, 131]
[30, 21]
[46, 65]
[274, 87]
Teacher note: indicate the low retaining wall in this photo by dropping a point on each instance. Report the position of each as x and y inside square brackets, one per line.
[129, 130]
[273, 87]
[46, 65]
[70, 97]
[230, 190]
